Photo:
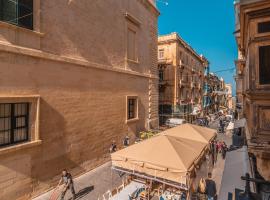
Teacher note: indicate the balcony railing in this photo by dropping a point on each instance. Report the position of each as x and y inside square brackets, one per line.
[164, 60]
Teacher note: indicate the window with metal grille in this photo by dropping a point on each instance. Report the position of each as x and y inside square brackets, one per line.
[264, 27]
[17, 12]
[264, 65]
[14, 119]
[132, 108]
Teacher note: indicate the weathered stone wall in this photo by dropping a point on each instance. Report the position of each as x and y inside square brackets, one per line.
[79, 71]
[255, 95]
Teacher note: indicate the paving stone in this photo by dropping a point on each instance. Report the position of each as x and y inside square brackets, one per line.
[92, 184]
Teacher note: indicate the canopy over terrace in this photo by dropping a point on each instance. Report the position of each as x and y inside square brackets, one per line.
[192, 132]
[167, 157]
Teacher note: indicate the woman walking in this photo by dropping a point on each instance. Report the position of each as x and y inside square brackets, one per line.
[202, 189]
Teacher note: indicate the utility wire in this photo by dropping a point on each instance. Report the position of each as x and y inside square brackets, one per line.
[224, 70]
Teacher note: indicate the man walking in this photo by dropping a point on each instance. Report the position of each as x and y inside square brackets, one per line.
[113, 147]
[212, 151]
[211, 190]
[66, 178]
[221, 125]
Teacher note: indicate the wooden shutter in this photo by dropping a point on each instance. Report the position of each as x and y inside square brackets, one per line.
[264, 65]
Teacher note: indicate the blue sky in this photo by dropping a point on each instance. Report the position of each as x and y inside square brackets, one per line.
[207, 26]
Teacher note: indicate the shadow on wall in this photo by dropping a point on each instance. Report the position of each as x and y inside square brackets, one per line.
[54, 155]
[36, 169]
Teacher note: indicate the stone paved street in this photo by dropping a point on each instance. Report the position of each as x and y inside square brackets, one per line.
[96, 182]
[90, 185]
[82, 81]
[219, 167]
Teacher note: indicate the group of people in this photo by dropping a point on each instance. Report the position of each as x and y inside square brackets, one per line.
[204, 121]
[207, 188]
[216, 148]
[113, 146]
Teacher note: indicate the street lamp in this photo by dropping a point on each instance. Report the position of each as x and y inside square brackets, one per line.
[247, 194]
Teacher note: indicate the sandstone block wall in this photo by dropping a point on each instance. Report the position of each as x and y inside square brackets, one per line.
[78, 70]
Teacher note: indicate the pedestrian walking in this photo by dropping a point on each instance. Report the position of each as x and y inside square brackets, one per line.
[207, 121]
[224, 150]
[221, 125]
[113, 147]
[213, 150]
[209, 118]
[126, 141]
[213, 158]
[215, 154]
[211, 190]
[66, 178]
[219, 146]
[201, 191]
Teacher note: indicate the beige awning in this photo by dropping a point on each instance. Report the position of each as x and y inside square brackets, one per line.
[170, 155]
[192, 132]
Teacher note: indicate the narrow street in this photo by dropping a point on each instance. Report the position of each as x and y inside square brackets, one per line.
[142, 87]
[219, 167]
[93, 184]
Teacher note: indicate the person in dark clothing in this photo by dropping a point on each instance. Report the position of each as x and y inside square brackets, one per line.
[221, 125]
[126, 141]
[211, 190]
[212, 151]
[224, 149]
[213, 159]
[216, 151]
[206, 122]
[212, 146]
[113, 147]
[66, 178]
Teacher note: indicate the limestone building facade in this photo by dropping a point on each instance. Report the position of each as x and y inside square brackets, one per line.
[181, 78]
[215, 93]
[253, 77]
[74, 76]
[229, 100]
